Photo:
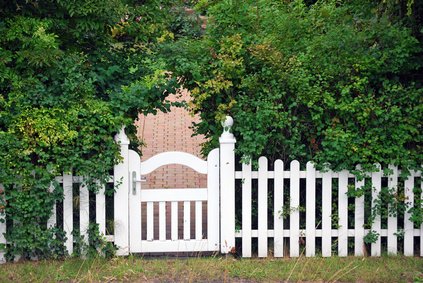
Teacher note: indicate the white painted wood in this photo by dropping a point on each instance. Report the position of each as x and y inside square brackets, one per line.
[408, 225]
[213, 203]
[294, 246]
[2, 228]
[343, 214]
[175, 246]
[68, 212]
[162, 221]
[310, 210]
[326, 214]
[174, 195]
[134, 195]
[150, 221]
[421, 226]
[376, 226]
[227, 187]
[392, 220]
[84, 217]
[174, 157]
[278, 202]
[100, 209]
[198, 220]
[52, 220]
[121, 199]
[174, 221]
[246, 209]
[359, 219]
[187, 220]
[262, 207]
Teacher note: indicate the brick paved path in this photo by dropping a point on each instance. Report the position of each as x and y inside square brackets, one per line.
[170, 132]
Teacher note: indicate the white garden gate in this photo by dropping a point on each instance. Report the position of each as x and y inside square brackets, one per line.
[172, 198]
[145, 237]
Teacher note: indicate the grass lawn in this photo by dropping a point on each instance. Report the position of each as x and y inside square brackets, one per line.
[217, 269]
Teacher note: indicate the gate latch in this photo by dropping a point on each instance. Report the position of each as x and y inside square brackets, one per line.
[135, 180]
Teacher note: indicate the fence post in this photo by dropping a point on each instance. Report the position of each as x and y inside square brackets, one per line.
[121, 182]
[227, 187]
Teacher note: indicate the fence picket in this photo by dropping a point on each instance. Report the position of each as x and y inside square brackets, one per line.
[294, 246]
[359, 219]
[162, 221]
[278, 219]
[174, 221]
[392, 220]
[246, 209]
[51, 222]
[310, 210]
[150, 221]
[84, 218]
[343, 214]
[100, 209]
[2, 228]
[376, 226]
[68, 211]
[408, 225]
[421, 225]
[187, 220]
[326, 214]
[198, 220]
[262, 207]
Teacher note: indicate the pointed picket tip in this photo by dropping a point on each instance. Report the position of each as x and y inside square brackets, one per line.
[310, 165]
[295, 164]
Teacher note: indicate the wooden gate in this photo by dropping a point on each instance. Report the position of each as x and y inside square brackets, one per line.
[143, 237]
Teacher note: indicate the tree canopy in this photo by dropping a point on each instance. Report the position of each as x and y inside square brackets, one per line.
[72, 73]
[327, 81]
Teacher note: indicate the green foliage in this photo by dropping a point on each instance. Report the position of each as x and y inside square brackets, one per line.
[66, 88]
[322, 83]
[371, 237]
[335, 82]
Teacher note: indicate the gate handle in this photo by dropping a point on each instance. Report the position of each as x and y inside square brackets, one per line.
[135, 180]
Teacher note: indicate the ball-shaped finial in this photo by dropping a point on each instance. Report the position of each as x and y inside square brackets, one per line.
[228, 122]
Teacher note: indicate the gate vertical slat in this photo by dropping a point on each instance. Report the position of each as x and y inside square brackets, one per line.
[278, 219]
[310, 210]
[392, 220]
[187, 220]
[150, 221]
[68, 212]
[326, 213]
[84, 218]
[376, 226]
[121, 199]
[408, 225]
[2, 229]
[162, 221]
[100, 209]
[198, 220]
[134, 202]
[359, 219]
[262, 207]
[52, 220]
[246, 209]
[294, 225]
[213, 200]
[343, 214]
[174, 221]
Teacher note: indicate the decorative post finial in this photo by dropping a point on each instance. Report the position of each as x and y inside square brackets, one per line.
[227, 136]
[122, 137]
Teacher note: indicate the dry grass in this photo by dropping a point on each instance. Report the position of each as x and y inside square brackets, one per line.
[217, 269]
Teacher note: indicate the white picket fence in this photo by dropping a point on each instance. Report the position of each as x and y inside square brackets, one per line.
[282, 237]
[296, 238]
